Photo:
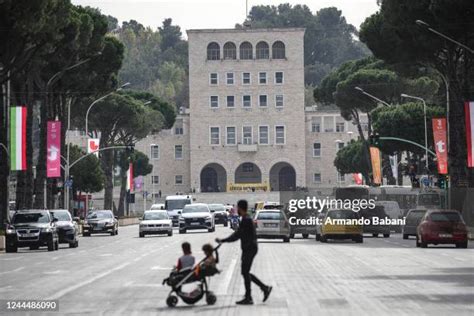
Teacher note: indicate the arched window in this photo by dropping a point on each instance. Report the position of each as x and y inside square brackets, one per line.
[263, 51]
[213, 51]
[230, 51]
[246, 51]
[278, 50]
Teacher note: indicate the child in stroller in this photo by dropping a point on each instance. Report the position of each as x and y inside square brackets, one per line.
[205, 268]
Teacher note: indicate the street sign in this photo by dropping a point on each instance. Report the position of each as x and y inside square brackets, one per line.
[68, 184]
[426, 181]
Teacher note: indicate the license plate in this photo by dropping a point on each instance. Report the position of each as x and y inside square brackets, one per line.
[270, 225]
[194, 223]
[28, 235]
[445, 235]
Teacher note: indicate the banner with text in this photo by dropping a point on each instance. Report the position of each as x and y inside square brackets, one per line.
[439, 135]
[53, 147]
[376, 165]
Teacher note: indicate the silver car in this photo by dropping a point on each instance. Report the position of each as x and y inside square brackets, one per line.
[155, 222]
[272, 224]
[412, 220]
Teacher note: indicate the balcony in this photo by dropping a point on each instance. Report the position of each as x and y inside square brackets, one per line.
[247, 148]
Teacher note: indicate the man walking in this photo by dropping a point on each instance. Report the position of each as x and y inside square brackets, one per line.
[248, 242]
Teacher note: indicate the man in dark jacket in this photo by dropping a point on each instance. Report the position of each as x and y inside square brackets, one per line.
[248, 242]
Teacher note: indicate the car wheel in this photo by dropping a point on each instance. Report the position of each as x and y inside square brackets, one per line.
[116, 231]
[56, 245]
[74, 244]
[226, 224]
[405, 236]
[305, 236]
[359, 239]
[318, 237]
[11, 248]
[292, 236]
[323, 239]
[210, 230]
[417, 241]
[386, 235]
[286, 239]
[170, 233]
[461, 244]
[141, 235]
[171, 301]
[182, 231]
[375, 235]
[86, 234]
[423, 244]
[51, 245]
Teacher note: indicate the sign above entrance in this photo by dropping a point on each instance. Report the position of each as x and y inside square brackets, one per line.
[248, 187]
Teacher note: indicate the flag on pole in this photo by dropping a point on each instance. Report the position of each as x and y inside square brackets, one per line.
[18, 138]
[376, 165]
[439, 135]
[130, 177]
[469, 113]
[394, 165]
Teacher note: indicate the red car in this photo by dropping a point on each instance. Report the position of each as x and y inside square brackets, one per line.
[442, 227]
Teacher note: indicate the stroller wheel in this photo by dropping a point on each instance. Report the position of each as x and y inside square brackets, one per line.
[211, 298]
[171, 301]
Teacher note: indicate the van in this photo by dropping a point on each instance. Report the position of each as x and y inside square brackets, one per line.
[174, 205]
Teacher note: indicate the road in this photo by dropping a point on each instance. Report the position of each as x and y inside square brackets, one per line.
[122, 275]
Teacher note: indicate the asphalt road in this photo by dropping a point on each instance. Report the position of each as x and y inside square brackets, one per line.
[122, 275]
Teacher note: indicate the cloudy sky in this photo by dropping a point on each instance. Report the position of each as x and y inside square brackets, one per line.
[195, 14]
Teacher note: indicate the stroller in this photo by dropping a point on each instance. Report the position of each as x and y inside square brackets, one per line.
[196, 274]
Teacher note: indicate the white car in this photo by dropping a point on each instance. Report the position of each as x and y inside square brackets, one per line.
[272, 224]
[155, 222]
[196, 216]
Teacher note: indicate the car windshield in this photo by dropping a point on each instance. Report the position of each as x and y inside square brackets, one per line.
[195, 209]
[99, 215]
[155, 215]
[378, 211]
[428, 199]
[414, 217]
[40, 217]
[62, 215]
[445, 217]
[273, 207]
[342, 214]
[176, 204]
[217, 207]
[269, 215]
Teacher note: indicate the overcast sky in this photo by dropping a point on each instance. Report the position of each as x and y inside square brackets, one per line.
[196, 14]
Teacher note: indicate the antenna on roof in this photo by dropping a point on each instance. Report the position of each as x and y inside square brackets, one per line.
[246, 21]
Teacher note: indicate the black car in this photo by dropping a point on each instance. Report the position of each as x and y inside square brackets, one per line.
[102, 221]
[32, 228]
[220, 213]
[66, 227]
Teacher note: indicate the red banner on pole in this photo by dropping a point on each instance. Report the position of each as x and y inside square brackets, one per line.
[439, 135]
[53, 147]
[130, 187]
[469, 114]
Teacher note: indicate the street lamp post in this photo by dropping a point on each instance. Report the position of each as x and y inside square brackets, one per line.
[371, 96]
[403, 95]
[452, 40]
[100, 99]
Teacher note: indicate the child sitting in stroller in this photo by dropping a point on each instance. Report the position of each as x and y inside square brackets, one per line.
[205, 268]
[186, 261]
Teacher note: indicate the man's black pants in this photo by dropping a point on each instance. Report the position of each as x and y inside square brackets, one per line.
[247, 259]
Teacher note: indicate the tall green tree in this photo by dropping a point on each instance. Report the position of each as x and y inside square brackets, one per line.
[351, 159]
[87, 174]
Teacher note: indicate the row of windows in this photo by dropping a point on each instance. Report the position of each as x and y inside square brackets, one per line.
[155, 152]
[318, 179]
[246, 101]
[247, 135]
[246, 78]
[317, 148]
[262, 51]
[178, 179]
[340, 128]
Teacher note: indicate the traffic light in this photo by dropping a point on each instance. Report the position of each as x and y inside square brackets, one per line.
[443, 182]
[374, 139]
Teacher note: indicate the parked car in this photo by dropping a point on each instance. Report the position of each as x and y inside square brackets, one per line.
[272, 224]
[373, 228]
[155, 222]
[220, 213]
[157, 206]
[100, 221]
[442, 227]
[67, 227]
[31, 228]
[392, 209]
[412, 220]
[334, 230]
[196, 216]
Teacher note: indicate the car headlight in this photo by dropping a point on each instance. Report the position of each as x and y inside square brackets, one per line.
[208, 218]
[11, 231]
[46, 230]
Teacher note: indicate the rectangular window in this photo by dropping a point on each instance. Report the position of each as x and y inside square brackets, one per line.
[178, 179]
[230, 101]
[263, 135]
[316, 127]
[339, 145]
[215, 136]
[317, 150]
[230, 78]
[246, 101]
[280, 135]
[214, 100]
[341, 177]
[247, 135]
[262, 100]
[340, 127]
[155, 152]
[155, 179]
[279, 77]
[262, 78]
[213, 78]
[279, 100]
[178, 131]
[230, 135]
[317, 178]
[178, 152]
[246, 78]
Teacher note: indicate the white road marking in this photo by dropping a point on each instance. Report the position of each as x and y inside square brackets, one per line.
[12, 258]
[105, 255]
[227, 278]
[12, 271]
[160, 268]
[52, 272]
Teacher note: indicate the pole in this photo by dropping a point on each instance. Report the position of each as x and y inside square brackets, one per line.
[426, 137]
[66, 173]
